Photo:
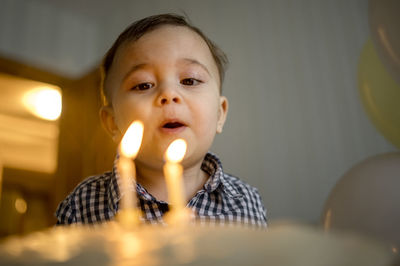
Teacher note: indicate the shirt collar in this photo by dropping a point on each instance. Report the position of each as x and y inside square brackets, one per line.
[115, 183]
[211, 165]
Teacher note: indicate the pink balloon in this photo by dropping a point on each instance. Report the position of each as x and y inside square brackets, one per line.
[367, 200]
[384, 24]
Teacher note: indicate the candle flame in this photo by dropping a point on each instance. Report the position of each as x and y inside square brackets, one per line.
[176, 151]
[130, 143]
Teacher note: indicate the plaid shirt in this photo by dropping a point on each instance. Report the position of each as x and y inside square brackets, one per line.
[224, 199]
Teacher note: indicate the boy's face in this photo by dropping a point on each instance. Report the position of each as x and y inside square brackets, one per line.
[169, 80]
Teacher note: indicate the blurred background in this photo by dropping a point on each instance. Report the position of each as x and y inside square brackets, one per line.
[296, 122]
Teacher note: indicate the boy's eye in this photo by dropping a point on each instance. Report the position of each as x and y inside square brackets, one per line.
[190, 82]
[142, 86]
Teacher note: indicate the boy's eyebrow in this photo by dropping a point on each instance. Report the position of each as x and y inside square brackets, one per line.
[194, 61]
[133, 69]
[143, 65]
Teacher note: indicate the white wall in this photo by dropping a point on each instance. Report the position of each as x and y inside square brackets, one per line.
[295, 123]
[54, 39]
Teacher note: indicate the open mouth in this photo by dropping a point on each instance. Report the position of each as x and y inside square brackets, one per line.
[173, 125]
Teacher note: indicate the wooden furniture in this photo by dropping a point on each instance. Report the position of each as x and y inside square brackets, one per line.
[83, 149]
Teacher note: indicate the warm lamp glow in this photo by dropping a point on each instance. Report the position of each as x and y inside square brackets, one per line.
[176, 151]
[44, 102]
[20, 205]
[132, 139]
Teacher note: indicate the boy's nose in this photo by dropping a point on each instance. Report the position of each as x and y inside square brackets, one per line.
[168, 95]
[167, 100]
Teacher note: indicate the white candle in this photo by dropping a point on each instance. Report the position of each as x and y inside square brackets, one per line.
[173, 175]
[129, 147]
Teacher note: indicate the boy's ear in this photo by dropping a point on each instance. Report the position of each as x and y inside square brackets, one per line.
[108, 121]
[222, 113]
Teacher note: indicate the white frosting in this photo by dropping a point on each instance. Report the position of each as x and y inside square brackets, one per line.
[110, 244]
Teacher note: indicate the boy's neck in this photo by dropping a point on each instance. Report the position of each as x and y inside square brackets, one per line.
[154, 181]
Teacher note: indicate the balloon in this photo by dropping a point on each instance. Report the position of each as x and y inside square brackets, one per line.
[380, 94]
[367, 200]
[384, 24]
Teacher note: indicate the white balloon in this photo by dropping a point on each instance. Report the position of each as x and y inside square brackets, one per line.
[367, 200]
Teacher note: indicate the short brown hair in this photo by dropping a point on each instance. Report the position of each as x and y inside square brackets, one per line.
[138, 28]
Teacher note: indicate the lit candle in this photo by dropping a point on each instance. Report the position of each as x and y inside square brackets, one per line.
[173, 175]
[128, 149]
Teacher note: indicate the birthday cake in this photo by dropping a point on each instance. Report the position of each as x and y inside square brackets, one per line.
[111, 244]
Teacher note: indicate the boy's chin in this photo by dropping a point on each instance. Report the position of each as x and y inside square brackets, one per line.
[156, 164]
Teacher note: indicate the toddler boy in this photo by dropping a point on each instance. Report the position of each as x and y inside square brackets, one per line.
[166, 73]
